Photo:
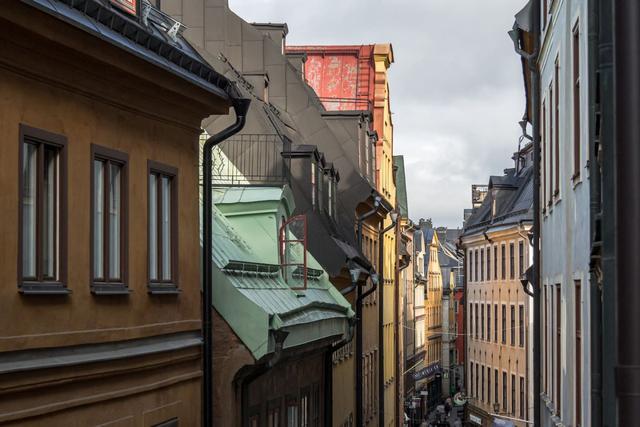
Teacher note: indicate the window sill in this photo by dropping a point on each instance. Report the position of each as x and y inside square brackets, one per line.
[110, 289]
[43, 288]
[163, 289]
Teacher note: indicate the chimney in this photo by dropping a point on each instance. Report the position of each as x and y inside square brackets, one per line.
[276, 32]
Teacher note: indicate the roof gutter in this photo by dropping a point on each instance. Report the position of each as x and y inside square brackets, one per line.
[240, 107]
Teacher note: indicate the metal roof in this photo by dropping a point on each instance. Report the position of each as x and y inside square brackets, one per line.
[148, 42]
[513, 197]
[256, 302]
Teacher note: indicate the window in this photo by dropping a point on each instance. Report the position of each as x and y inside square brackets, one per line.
[482, 265]
[556, 102]
[513, 325]
[513, 394]
[495, 320]
[578, 364]
[108, 220]
[42, 212]
[305, 410]
[495, 262]
[576, 101]
[503, 267]
[544, 13]
[475, 265]
[545, 148]
[488, 322]
[495, 388]
[482, 321]
[476, 321]
[163, 228]
[544, 329]
[521, 324]
[504, 324]
[273, 414]
[523, 406]
[521, 258]
[470, 264]
[477, 369]
[319, 186]
[552, 124]
[482, 385]
[471, 318]
[512, 264]
[489, 263]
[504, 393]
[292, 412]
[471, 378]
[558, 349]
[314, 186]
[488, 384]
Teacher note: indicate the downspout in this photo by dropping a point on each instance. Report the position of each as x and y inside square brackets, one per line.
[240, 107]
[396, 338]
[626, 245]
[381, 402]
[595, 205]
[532, 62]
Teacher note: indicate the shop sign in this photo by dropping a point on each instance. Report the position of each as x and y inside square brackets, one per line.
[129, 6]
[427, 372]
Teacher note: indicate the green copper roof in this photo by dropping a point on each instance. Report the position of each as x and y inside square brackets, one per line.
[249, 290]
[401, 187]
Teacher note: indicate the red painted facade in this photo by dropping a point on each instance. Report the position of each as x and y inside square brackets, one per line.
[342, 76]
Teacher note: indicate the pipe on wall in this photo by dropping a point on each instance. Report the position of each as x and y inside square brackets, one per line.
[381, 402]
[240, 107]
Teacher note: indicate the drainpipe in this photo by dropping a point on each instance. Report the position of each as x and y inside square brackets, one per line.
[626, 245]
[381, 233]
[240, 107]
[595, 205]
[532, 60]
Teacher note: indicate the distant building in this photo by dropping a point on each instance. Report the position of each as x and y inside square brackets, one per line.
[451, 266]
[496, 246]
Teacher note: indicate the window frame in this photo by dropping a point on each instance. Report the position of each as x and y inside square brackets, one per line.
[39, 286]
[575, 44]
[163, 287]
[106, 286]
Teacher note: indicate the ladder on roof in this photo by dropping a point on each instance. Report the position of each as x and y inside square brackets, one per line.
[363, 82]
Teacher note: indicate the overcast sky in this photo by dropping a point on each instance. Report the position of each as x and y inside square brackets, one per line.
[456, 84]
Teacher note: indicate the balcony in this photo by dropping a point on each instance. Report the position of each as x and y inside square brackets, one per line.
[251, 160]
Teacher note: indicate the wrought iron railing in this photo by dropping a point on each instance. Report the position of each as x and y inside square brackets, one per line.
[251, 160]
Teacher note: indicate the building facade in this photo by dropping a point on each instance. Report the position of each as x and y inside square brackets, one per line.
[101, 319]
[564, 195]
[496, 246]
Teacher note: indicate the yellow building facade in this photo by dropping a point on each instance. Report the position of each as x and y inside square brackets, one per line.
[433, 315]
[383, 125]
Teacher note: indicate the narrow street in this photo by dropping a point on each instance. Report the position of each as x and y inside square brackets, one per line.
[319, 213]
